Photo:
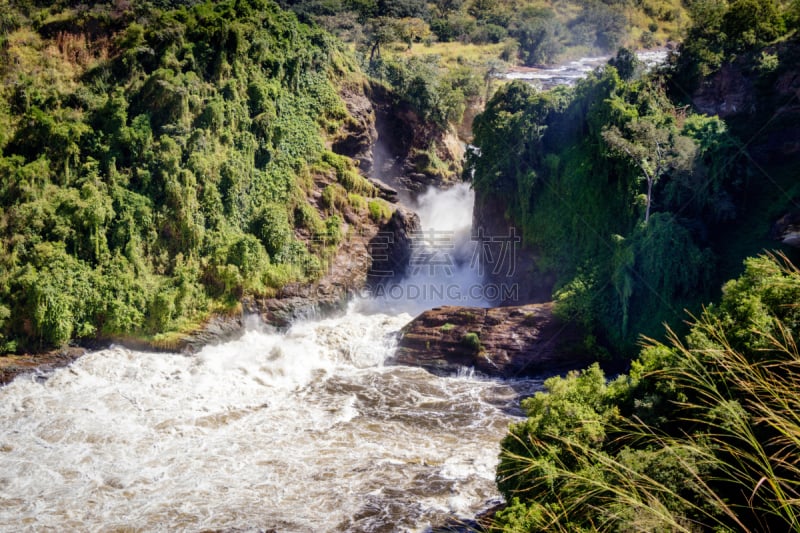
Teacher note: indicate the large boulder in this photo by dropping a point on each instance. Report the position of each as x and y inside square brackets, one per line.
[507, 342]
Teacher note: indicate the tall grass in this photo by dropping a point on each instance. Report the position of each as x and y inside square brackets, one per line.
[727, 458]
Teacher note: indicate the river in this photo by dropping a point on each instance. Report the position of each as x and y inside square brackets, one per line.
[303, 431]
[570, 72]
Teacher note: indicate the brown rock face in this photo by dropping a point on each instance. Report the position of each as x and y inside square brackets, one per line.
[407, 147]
[358, 134]
[787, 229]
[13, 365]
[359, 261]
[502, 341]
[391, 248]
[516, 269]
[727, 92]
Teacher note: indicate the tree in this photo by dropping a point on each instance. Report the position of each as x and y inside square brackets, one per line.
[379, 31]
[538, 37]
[626, 63]
[411, 29]
[445, 7]
[752, 22]
[655, 149]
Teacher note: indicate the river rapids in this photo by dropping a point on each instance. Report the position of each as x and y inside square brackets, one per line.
[302, 431]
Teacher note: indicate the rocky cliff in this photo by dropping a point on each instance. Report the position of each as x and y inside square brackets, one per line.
[411, 154]
[762, 91]
[502, 341]
[517, 268]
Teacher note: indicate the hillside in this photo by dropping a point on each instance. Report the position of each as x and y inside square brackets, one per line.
[639, 195]
[160, 163]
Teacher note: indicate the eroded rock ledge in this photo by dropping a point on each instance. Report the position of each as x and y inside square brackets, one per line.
[505, 342]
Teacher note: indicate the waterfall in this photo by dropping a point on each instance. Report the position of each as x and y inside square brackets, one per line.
[444, 267]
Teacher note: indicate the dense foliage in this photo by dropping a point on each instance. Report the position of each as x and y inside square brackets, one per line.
[436, 93]
[722, 30]
[156, 162]
[701, 435]
[616, 189]
[532, 32]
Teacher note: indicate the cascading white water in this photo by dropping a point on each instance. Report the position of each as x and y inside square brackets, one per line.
[444, 268]
[305, 430]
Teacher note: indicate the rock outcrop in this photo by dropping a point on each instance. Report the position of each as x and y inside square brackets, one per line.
[346, 275]
[726, 93]
[787, 229]
[363, 259]
[508, 264]
[411, 154]
[13, 365]
[391, 248]
[358, 134]
[768, 101]
[502, 341]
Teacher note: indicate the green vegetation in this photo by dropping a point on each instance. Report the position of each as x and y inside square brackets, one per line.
[624, 231]
[439, 94]
[630, 198]
[702, 434]
[439, 57]
[472, 341]
[531, 32]
[722, 30]
[640, 206]
[379, 210]
[156, 163]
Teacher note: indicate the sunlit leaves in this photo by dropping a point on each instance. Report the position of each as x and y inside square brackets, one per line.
[146, 170]
[704, 435]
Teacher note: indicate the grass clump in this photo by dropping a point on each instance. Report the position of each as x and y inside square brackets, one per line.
[379, 211]
[473, 341]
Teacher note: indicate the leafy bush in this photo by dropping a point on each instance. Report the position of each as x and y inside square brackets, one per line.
[271, 226]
